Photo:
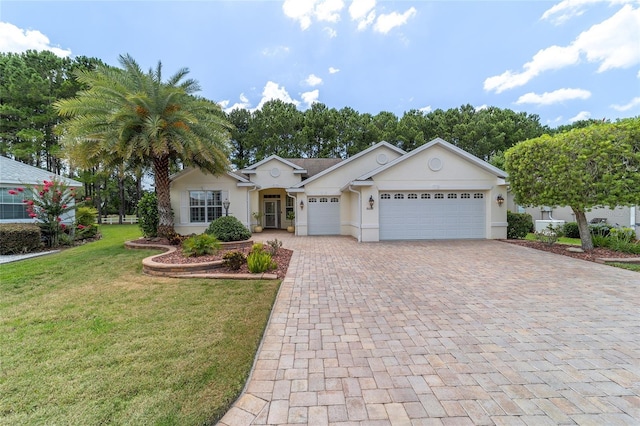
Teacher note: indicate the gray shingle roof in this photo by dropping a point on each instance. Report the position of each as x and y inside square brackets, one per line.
[16, 173]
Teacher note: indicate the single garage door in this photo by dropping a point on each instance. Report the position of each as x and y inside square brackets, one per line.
[432, 215]
[323, 216]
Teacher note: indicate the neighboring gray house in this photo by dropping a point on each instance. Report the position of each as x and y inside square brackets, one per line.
[14, 174]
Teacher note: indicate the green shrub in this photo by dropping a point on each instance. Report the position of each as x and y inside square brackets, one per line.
[228, 228]
[571, 230]
[256, 247]
[148, 218]
[200, 245]
[260, 261]
[601, 229]
[234, 259]
[86, 216]
[549, 235]
[518, 225]
[19, 238]
[622, 234]
[274, 246]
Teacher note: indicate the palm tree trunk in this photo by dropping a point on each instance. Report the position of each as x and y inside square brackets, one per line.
[165, 218]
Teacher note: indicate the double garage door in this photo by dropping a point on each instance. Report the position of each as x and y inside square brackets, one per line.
[432, 215]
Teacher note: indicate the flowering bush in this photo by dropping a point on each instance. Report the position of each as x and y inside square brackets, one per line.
[47, 204]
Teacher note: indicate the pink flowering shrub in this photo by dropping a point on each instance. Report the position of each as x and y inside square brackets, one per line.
[49, 202]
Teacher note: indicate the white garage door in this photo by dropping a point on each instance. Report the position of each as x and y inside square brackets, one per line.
[324, 215]
[432, 215]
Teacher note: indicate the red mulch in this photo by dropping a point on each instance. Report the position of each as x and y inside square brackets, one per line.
[592, 256]
[282, 258]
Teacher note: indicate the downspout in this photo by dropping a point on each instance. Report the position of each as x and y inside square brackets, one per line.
[359, 212]
[632, 219]
[249, 206]
[295, 208]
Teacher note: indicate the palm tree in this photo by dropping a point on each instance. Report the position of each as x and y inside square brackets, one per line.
[127, 115]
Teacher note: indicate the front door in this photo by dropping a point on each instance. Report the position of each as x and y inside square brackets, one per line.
[272, 214]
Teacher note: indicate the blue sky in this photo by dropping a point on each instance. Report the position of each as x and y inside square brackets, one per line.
[563, 60]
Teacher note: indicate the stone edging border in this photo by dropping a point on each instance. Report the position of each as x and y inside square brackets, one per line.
[188, 270]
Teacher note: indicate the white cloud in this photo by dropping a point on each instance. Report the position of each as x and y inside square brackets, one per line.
[582, 115]
[481, 107]
[17, 40]
[304, 11]
[333, 70]
[243, 104]
[363, 12]
[613, 43]
[557, 96]
[551, 58]
[329, 10]
[275, 51]
[313, 80]
[310, 98]
[274, 91]
[387, 22]
[425, 109]
[633, 103]
[330, 32]
[567, 9]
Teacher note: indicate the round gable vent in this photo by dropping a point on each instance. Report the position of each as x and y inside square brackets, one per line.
[275, 172]
[382, 159]
[435, 164]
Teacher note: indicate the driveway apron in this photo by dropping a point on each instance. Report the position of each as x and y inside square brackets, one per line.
[445, 333]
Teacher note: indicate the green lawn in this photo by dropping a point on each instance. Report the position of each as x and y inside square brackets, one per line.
[561, 240]
[85, 338]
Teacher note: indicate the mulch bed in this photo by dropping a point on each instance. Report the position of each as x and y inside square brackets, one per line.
[282, 258]
[592, 256]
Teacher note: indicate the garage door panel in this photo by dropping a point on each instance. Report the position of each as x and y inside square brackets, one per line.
[432, 215]
[323, 216]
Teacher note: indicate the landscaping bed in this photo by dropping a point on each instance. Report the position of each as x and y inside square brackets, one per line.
[592, 256]
[282, 258]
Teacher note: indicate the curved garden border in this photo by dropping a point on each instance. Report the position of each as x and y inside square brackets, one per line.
[192, 270]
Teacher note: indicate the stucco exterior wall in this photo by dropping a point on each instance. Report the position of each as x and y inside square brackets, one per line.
[437, 168]
[195, 180]
[275, 174]
[331, 183]
[623, 216]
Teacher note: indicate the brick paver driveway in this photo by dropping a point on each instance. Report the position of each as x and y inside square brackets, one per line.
[474, 332]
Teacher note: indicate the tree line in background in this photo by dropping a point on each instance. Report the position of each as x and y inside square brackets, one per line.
[31, 83]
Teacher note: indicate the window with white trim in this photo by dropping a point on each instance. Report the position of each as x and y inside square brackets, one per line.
[412, 196]
[385, 196]
[478, 195]
[425, 196]
[465, 195]
[204, 206]
[324, 200]
[313, 200]
[439, 195]
[398, 196]
[335, 200]
[11, 205]
[451, 196]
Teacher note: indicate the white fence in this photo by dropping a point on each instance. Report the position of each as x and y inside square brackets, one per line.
[113, 220]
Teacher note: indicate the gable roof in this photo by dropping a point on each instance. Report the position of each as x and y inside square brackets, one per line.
[235, 176]
[252, 168]
[313, 166]
[350, 159]
[440, 142]
[17, 173]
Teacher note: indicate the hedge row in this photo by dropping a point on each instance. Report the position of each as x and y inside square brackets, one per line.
[19, 238]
